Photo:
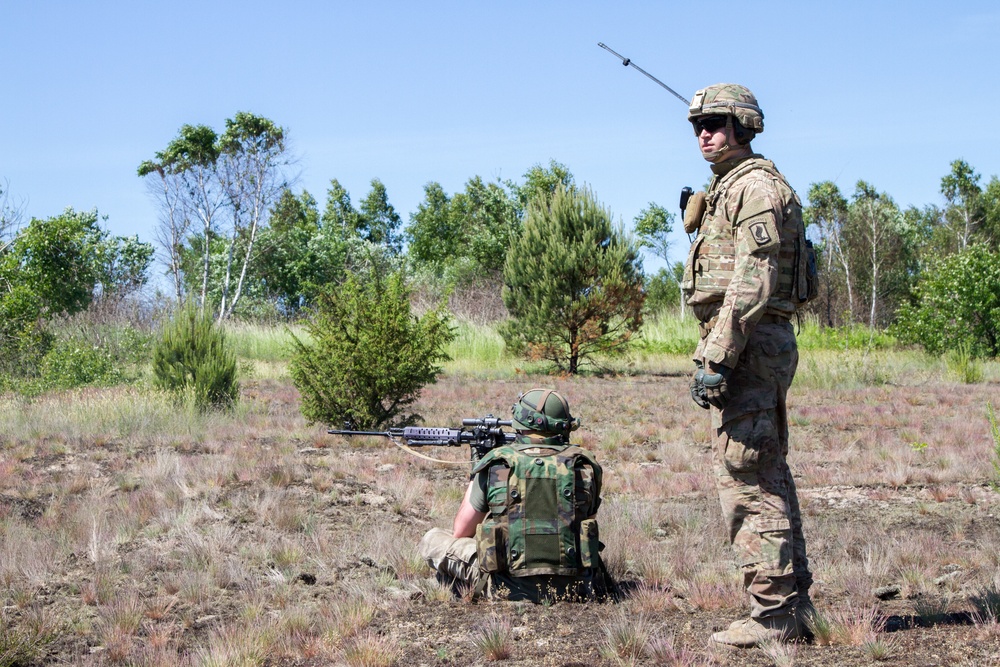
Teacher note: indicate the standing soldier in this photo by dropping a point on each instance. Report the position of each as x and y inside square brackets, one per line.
[747, 272]
[527, 527]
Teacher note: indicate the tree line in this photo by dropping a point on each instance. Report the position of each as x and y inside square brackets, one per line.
[236, 236]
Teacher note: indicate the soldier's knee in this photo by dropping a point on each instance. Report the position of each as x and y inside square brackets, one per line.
[434, 545]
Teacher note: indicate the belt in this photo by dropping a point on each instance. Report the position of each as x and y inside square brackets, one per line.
[706, 327]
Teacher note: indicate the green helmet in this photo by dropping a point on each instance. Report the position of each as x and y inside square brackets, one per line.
[543, 411]
[728, 99]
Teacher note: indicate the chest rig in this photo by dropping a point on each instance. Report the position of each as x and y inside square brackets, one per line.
[542, 504]
[711, 262]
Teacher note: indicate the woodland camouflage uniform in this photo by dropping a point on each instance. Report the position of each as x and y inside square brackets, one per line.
[744, 280]
[539, 539]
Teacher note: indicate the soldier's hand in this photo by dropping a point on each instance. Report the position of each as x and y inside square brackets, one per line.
[715, 379]
[698, 387]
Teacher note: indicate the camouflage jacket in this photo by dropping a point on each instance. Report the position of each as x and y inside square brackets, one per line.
[745, 262]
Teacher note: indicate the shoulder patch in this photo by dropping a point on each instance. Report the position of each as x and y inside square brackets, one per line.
[762, 232]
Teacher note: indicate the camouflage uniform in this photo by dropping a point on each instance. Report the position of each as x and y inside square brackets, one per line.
[740, 280]
[532, 507]
[479, 564]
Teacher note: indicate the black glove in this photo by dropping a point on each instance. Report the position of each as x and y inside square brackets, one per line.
[716, 386]
[698, 387]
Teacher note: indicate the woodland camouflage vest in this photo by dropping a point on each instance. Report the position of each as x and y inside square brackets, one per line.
[543, 503]
[712, 260]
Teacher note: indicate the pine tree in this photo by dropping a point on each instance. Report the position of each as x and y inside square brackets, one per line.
[192, 355]
[573, 282]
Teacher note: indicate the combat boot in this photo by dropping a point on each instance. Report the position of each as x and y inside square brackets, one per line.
[752, 632]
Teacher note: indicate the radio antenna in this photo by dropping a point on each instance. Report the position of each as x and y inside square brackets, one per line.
[626, 62]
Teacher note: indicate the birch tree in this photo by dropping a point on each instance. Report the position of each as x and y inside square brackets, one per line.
[964, 213]
[827, 214]
[10, 216]
[173, 223]
[653, 226]
[253, 158]
[188, 169]
[875, 226]
[226, 186]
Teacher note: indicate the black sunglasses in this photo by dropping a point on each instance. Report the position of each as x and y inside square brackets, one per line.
[710, 124]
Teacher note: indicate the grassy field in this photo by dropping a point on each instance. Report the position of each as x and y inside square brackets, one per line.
[134, 531]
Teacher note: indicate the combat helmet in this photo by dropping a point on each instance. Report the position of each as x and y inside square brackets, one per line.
[733, 100]
[544, 411]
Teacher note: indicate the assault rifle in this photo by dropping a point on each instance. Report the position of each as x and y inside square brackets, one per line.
[482, 434]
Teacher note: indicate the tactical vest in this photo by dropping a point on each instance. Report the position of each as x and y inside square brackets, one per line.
[541, 511]
[711, 261]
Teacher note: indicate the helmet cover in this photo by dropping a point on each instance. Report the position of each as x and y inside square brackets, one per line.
[728, 99]
[543, 411]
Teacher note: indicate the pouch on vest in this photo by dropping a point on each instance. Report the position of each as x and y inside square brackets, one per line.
[806, 270]
[491, 546]
[590, 544]
[694, 212]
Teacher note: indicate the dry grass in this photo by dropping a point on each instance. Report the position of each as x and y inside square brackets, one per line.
[626, 638]
[169, 537]
[856, 626]
[493, 638]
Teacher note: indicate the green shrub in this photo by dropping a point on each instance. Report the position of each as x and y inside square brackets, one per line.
[24, 339]
[193, 357]
[958, 302]
[70, 364]
[101, 356]
[663, 294]
[369, 356]
[812, 335]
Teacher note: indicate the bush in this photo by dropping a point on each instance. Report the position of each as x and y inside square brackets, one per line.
[24, 339]
[70, 364]
[663, 294]
[958, 303]
[369, 355]
[813, 335]
[193, 357]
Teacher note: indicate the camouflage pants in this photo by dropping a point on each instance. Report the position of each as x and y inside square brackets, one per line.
[456, 563]
[760, 506]
[452, 558]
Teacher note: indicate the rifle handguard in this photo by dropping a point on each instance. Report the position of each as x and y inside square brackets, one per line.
[485, 434]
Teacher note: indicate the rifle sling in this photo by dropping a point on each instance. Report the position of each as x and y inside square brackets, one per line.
[424, 456]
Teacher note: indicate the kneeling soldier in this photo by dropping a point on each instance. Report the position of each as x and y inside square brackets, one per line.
[527, 527]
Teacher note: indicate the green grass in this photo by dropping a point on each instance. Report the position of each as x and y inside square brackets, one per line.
[849, 357]
[477, 342]
[258, 342]
[812, 336]
[668, 334]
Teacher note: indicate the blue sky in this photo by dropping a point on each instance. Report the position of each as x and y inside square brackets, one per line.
[442, 91]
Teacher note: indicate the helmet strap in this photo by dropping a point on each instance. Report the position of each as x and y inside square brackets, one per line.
[716, 156]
